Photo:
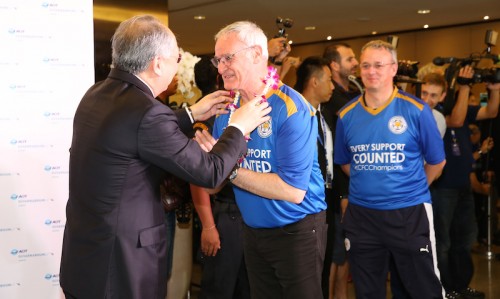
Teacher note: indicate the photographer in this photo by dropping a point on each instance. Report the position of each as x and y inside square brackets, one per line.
[278, 49]
[453, 204]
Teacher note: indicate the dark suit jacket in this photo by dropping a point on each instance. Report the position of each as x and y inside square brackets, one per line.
[123, 142]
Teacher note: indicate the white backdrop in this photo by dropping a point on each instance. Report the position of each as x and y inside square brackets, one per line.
[46, 65]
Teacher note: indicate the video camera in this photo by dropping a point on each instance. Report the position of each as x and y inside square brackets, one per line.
[481, 75]
[407, 70]
[282, 24]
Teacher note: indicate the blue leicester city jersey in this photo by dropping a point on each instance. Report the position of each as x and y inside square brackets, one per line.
[386, 149]
[285, 145]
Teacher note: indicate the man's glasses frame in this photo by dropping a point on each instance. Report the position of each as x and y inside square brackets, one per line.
[226, 58]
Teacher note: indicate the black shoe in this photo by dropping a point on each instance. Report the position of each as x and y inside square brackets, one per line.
[470, 293]
[453, 295]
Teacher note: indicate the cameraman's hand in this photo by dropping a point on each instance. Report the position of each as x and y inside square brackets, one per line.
[251, 115]
[288, 63]
[276, 45]
[464, 75]
[211, 104]
[493, 86]
[291, 61]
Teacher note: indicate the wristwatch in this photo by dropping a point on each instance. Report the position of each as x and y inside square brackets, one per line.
[234, 173]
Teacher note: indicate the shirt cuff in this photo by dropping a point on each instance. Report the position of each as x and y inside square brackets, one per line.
[190, 114]
[239, 127]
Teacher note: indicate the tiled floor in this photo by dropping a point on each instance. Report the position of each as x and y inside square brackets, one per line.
[486, 276]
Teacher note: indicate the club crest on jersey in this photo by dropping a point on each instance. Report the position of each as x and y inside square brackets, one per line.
[265, 129]
[397, 125]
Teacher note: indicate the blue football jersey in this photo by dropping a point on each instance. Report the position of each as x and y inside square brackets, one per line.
[286, 145]
[386, 149]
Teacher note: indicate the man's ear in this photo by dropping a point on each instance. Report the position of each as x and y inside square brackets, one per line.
[313, 82]
[441, 98]
[335, 66]
[257, 54]
[156, 65]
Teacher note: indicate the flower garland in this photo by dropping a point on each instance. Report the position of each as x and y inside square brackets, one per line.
[271, 81]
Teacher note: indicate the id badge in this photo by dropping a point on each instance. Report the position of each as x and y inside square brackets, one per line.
[455, 149]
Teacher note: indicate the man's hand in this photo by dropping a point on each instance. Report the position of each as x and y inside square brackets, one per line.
[493, 86]
[210, 242]
[487, 145]
[277, 46]
[211, 104]
[464, 75]
[205, 140]
[251, 115]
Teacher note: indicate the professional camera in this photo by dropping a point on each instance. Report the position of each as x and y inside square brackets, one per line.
[481, 75]
[282, 24]
[491, 75]
[407, 68]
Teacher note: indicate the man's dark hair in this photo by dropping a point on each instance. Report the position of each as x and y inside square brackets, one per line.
[331, 52]
[311, 66]
[205, 76]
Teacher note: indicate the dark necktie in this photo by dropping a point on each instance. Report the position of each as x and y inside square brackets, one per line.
[321, 134]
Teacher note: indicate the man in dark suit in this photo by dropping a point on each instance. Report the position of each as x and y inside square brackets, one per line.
[123, 142]
[314, 81]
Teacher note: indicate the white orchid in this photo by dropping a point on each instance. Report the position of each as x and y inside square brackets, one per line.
[185, 74]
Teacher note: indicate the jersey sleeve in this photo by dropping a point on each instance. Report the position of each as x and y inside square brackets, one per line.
[431, 141]
[341, 154]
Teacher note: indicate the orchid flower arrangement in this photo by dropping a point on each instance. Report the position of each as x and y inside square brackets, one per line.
[185, 74]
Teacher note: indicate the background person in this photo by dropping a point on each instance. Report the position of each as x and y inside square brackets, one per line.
[224, 273]
[454, 218]
[382, 139]
[343, 63]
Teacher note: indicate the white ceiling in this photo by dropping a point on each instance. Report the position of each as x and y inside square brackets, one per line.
[340, 19]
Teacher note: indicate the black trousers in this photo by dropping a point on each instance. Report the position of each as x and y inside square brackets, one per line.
[286, 262]
[403, 235]
[225, 275]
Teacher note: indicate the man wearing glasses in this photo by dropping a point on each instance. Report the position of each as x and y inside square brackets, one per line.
[382, 139]
[124, 141]
[279, 187]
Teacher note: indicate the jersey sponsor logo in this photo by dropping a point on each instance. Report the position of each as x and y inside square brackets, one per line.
[265, 129]
[397, 125]
[378, 156]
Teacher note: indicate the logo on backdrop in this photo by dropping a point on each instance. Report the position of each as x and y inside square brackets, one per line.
[54, 224]
[26, 144]
[54, 278]
[23, 254]
[26, 199]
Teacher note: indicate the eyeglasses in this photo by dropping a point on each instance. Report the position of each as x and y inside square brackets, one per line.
[376, 66]
[226, 58]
